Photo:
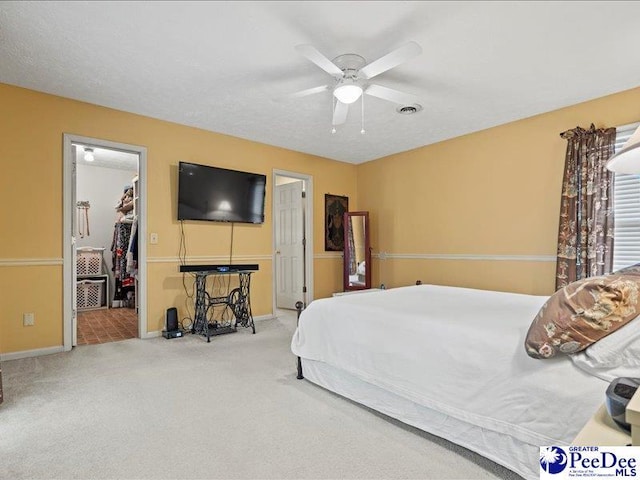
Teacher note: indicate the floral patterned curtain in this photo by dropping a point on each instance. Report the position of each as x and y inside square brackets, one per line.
[585, 236]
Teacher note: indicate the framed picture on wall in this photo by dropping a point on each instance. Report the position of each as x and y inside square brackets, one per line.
[334, 208]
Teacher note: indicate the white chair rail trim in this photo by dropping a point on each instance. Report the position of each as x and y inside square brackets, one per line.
[29, 262]
[26, 262]
[464, 256]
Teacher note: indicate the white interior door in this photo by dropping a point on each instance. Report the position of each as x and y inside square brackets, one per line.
[289, 244]
[74, 257]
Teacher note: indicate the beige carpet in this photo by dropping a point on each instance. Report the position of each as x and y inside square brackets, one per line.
[185, 409]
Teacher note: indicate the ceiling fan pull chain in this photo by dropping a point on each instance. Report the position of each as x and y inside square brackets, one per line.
[362, 131]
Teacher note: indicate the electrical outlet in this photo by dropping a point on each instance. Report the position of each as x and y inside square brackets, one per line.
[28, 319]
[153, 238]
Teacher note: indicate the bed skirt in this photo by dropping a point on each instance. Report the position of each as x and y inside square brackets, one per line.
[502, 449]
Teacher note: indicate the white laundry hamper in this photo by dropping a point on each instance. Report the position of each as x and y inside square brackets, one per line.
[89, 294]
[89, 260]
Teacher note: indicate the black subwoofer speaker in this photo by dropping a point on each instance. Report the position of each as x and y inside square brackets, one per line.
[172, 319]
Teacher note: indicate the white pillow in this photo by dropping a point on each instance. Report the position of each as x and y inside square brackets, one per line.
[616, 355]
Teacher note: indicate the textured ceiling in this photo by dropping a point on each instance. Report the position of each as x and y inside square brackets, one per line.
[107, 158]
[224, 66]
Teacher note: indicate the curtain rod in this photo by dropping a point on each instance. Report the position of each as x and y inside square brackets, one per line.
[618, 127]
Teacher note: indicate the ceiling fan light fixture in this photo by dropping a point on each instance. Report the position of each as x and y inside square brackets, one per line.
[348, 91]
[351, 73]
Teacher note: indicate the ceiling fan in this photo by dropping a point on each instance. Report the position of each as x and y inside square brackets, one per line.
[351, 73]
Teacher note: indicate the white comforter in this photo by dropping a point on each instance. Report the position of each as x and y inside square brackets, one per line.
[458, 351]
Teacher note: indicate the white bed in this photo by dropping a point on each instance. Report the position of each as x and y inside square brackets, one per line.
[451, 361]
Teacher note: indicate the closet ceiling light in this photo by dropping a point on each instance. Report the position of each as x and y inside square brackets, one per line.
[88, 154]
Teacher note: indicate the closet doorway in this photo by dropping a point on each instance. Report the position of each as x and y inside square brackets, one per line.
[104, 264]
[292, 239]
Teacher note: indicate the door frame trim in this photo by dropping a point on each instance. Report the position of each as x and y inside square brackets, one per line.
[308, 228]
[68, 210]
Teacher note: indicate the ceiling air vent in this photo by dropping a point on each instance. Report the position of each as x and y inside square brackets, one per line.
[409, 109]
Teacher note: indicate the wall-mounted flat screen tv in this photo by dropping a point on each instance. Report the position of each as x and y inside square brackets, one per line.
[219, 194]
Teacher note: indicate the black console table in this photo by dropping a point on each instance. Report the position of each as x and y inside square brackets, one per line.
[238, 300]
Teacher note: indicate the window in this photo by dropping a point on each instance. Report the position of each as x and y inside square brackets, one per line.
[626, 205]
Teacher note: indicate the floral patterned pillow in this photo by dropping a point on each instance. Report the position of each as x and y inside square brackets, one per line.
[583, 312]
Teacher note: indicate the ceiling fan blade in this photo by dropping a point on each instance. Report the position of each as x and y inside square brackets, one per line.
[395, 96]
[308, 91]
[340, 113]
[390, 60]
[319, 59]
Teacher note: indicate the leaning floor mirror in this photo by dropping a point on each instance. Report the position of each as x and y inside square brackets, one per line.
[357, 251]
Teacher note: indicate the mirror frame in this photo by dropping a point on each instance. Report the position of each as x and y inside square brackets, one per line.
[348, 254]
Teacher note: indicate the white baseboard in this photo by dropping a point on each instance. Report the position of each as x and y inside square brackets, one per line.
[51, 350]
[154, 334]
[31, 353]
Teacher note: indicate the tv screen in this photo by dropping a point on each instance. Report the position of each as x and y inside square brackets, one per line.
[220, 195]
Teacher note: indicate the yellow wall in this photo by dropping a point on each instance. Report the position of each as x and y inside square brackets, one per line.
[494, 192]
[32, 126]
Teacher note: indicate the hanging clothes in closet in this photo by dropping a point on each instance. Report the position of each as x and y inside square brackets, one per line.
[124, 275]
[132, 250]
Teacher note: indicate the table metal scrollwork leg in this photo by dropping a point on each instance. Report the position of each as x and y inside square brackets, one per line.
[200, 324]
[240, 304]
